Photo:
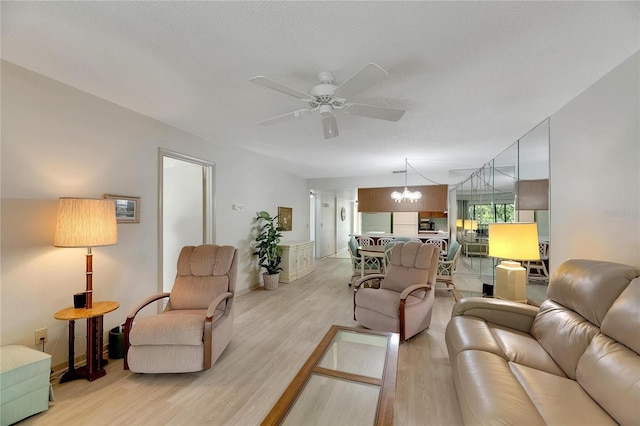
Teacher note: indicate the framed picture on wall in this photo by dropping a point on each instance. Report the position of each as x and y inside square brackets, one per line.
[285, 217]
[127, 208]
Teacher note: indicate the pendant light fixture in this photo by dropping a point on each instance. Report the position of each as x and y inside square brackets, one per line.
[406, 195]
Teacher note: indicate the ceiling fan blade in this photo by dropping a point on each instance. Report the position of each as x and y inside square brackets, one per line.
[292, 114]
[368, 76]
[371, 111]
[274, 85]
[329, 126]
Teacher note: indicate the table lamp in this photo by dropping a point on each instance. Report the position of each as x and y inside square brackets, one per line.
[86, 223]
[470, 225]
[515, 241]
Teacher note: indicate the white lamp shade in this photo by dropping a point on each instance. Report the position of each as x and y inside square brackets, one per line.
[86, 222]
[515, 241]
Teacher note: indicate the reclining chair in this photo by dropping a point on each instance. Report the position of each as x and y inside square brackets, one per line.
[403, 302]
[195, 326]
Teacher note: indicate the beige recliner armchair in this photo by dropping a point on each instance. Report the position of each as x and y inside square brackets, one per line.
[195, 326]
[403, 302]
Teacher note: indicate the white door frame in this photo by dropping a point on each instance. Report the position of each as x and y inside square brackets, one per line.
[208, 202]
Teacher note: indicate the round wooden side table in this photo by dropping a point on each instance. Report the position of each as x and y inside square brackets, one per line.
[95, 365]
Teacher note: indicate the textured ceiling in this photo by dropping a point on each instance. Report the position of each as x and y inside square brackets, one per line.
[473, 77]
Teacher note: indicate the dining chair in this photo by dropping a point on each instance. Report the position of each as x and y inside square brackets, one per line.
[441, 244]
[447, 266]
[364, 241]
[382, 241]
[371, 265]
[537, 269]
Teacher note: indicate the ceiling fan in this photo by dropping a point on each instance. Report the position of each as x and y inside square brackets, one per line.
[327, 97]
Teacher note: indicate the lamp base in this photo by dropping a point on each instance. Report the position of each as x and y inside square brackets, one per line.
[511, 281]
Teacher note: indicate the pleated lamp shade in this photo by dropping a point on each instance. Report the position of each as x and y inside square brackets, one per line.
[86, 222]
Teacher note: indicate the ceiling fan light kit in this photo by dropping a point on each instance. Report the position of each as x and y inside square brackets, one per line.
[326, 97]
[406, 195]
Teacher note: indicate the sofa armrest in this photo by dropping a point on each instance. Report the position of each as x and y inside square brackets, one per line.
[501, 312]
[131, 316]
[407, 291]
[214, 304]
[145, 302]
[366, 278]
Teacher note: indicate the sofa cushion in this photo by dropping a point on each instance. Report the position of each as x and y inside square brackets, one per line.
[622, 322]
[472, 333]
[564, 334]
[552, 394]
[202, 276]
[353, 246]
[489, 393]
[589, 287]
[410, 262]
[453, 247]
[610, 373]
[383, 301]
[170, 328]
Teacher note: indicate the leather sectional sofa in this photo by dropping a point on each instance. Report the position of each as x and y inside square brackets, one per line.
[573, 361]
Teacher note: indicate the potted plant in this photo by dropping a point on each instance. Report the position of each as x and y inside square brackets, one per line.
[267, 249]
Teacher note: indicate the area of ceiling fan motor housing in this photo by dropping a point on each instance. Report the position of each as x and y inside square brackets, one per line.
[325, 77]
[326, 110]
[323, 95]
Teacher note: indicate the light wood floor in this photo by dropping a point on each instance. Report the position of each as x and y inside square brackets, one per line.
[274, 333]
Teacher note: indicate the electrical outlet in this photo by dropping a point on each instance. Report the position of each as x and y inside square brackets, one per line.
[40, 333]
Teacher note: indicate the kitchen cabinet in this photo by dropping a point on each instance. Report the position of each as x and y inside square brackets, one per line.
[298, 260]
[432, 215]
[374, 200]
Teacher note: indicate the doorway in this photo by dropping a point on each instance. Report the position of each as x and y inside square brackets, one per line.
[185, 210]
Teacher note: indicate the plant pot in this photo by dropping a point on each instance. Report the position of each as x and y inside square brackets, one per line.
[270, 280]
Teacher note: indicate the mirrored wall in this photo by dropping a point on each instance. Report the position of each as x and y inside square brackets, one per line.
[512, 187]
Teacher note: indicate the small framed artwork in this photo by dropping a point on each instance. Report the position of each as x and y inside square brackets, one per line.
[285, 217]
[127, 208]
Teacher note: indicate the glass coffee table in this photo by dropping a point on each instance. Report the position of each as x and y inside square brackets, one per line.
[350, 378]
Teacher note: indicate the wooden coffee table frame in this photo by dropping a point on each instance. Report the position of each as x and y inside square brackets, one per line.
[384, 410]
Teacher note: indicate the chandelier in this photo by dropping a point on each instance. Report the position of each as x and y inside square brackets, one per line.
[406, 195]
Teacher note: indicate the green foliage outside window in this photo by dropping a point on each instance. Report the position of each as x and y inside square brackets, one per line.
[491, 213]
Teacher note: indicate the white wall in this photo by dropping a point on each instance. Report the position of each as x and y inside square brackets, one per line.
[59, 141]
[595, 171]
[376, 222]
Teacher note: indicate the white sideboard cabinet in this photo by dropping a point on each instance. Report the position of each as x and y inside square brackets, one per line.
[297, 260]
